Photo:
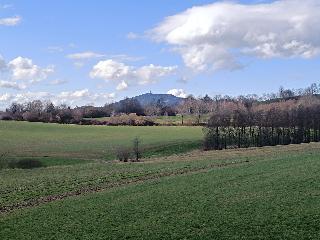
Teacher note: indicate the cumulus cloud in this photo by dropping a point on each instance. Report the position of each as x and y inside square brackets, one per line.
[84, 96]
[72, 98]
[24, 69]
[74, 95]
[21, 72]
[178, 93]
[7, 98]
[122, 86]
[215, 36]
[4, 100]
[111, 70]
[10, 21]
[30, 96]
[3, 64]
[12, 85]
[151, 73]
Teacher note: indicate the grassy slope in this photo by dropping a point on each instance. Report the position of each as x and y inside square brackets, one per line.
[273, 196]
[25, 139]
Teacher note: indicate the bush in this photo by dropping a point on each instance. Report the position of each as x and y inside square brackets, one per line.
[123, 154]
[25, 164]
[133, 154]
[31, 116]
[6, 117]
[129, 120]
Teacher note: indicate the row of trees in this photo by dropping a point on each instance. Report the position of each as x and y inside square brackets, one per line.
[38, 111]
[207, 105]
[199, 107]
[247, 123]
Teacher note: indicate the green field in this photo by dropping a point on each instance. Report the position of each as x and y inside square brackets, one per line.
[255, 193]
[23, 139]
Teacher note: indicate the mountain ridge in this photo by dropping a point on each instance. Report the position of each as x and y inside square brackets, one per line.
[151, 98]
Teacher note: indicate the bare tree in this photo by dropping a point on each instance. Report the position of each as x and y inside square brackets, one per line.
[137, 149]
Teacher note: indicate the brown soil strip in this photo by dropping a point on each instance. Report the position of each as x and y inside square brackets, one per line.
[82, 191]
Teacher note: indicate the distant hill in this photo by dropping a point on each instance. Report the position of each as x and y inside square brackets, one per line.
[150, 98]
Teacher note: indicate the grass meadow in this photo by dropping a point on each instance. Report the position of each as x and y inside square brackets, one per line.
[42, 140]
[254, 193]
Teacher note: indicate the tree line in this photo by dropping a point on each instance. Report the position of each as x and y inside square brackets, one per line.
[199, 107]
[248, 123]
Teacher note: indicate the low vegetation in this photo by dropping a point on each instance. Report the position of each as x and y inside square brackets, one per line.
[263, 193]
[55, 141]
[71, 181]
[131, 119]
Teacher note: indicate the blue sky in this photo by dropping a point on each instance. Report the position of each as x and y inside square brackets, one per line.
[51, 49]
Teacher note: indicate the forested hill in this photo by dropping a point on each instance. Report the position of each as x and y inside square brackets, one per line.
[151, 99]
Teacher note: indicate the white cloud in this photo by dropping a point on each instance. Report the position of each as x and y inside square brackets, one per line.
[75, 94]
[72, 98]
[55, 49]
[3, 64]
[5, 97]
[78, 64]
[178, 93]
[124, 58]
[82, 58]
[30, 96]
[10, 21]
[122, 86]
[24, 69]
[12, 85]
[111, 70]
[85, 55]
[132, 35]
[183, 79]
[58, 82]
[151, 73]
[215, 36]
[83, 97]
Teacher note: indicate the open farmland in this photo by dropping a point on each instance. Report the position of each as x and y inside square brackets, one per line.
[257, 193]
[160, 120]
[23, 139]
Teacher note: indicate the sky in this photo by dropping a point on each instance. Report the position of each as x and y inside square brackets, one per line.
[95, 52]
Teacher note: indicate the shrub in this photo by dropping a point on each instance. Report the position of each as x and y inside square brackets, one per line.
[25, 164]
[31, 116]
[123, 154]
[6, 117]
[131, 120]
